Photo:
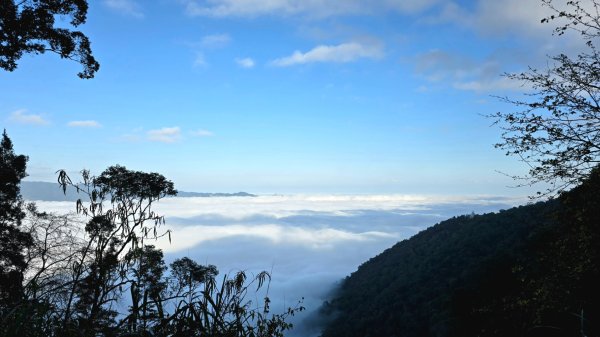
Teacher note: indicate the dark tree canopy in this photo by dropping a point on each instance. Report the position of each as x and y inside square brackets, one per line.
[557, 132]
[123, 184]
[13, 241]
[28, 26]
[12, 170]
[528, 271]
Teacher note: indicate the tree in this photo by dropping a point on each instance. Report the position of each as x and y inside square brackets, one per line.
[75, 273]
[147, 288]
[13, 241]
[12, 170]
[558, 131]
[28, 26]
[120, 220]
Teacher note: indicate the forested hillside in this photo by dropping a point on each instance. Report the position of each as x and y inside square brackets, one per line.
[528, 271]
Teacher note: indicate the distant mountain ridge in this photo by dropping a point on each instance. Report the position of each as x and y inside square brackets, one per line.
[45, 191]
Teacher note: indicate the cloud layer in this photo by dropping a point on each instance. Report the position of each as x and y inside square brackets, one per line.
[308, 242]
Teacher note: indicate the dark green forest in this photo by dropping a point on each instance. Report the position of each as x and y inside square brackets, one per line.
[528, 271]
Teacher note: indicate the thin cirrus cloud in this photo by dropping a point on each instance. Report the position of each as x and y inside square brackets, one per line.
[125, 7]
[165, 135]
[245, 62]
[342, 53]
[21, 116]
[202, 133]
[312, 9]
[482, 15]
[215, 40]
[84, 124]
[464, 73]
[200, 60]
[499, 18]
[206, 43]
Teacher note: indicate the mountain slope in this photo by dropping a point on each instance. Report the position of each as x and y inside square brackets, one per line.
[526, 271]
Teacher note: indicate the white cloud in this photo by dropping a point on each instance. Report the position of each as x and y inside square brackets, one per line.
[165, 135]
[308, 242]
[126, 7]
[215, 40]
[21, 116]
[245, 62]
[323, 238]
[407, 6]
[202, 133]
[345, 52]
[280, 206]
[84, 124]
[200, 60]
[519, 17]
[308, 8]
[490, 85]
[314, 222]
[465, 73]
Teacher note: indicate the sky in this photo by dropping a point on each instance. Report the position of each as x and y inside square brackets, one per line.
[285, 96]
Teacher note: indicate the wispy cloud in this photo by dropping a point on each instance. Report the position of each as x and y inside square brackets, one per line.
[125, 7]
[245, 62]
[312, 9]
[165, 135]
[206, 44]
[520, 17]
[134, 136]
[200, 60]
[21, 116]
[491, 85]
[464, 73]
[84, 124]
[516, 16]
[345, 52]
[215, 40]
[202, 133]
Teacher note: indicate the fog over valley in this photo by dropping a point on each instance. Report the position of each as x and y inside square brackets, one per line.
[308, 242]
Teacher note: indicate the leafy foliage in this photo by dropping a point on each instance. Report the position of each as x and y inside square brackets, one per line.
[558, 131]
[13, 240]
[28, 26]
[75, 277]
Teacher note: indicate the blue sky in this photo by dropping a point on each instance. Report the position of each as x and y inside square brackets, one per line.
[285, 96]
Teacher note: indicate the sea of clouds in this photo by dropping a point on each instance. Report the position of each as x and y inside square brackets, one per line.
[308, 243]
